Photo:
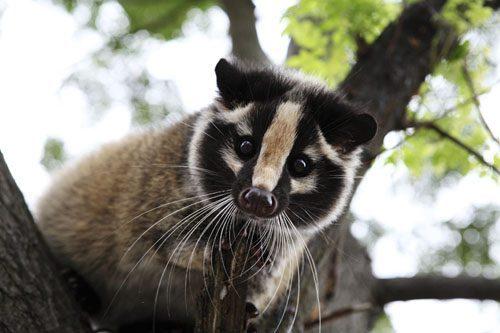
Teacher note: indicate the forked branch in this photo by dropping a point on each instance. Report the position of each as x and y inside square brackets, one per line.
[475, 99]
[432, 126]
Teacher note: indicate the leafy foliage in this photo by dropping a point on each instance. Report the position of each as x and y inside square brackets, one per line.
[328, 33]
[115, 75]
[53, 154]
[382, 325]
[465, 14]
[425, 149]
[163, 19]
[153, 101]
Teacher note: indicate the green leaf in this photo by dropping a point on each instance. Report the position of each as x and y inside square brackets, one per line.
[382, 325]
[328, 33]
[163, 18]
[53, 154]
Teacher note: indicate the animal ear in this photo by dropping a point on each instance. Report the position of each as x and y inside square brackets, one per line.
[229, 82]
[239, 85]
[350, 132]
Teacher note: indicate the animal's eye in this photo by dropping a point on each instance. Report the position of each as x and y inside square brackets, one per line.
[300, 166]
[245, 148]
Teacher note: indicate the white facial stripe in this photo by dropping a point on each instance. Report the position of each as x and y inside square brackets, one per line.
[303, 185]
[313, 152]
[243, 128]
[328, 150]
[349, 165]
[200, 127]
[231, 159]
[237, 115]
[276, 146]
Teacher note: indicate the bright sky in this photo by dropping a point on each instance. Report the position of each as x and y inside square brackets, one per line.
[40, 44]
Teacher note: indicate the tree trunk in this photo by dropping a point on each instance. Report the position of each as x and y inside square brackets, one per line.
[33, 296]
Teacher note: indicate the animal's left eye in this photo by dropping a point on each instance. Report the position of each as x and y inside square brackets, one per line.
[300, 166]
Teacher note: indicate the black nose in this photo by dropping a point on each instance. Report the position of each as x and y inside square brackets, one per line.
[259, 202]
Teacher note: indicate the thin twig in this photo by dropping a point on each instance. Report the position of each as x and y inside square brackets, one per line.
[470, 85]
[337, 314]
[432, 126]
[465, 102]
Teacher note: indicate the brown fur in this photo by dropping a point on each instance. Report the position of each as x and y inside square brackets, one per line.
[91, 214]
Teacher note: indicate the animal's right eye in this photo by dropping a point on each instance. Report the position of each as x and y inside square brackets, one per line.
[245, 148]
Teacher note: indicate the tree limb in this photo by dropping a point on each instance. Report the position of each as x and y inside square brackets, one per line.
[432, 126]
[33, 297]
[242, 30]
[493, 4]
[436, 287]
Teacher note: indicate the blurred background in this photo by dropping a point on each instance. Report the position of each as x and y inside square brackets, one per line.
[75, 74]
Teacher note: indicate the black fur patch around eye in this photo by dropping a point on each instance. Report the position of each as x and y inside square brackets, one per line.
[217, 175]
[239, 86]
[306, 209]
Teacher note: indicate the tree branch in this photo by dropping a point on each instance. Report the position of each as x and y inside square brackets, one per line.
[463, 103]
[242, 30]
[221, 308]
[33, 297]
[493, 4]
[470, 85]
[436, 287]
[432, 126]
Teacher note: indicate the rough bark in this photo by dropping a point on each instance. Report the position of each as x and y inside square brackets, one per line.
[242, 30]
[222, 306]
[33, 297]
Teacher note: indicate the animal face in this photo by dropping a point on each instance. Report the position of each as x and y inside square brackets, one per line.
[282, 144]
